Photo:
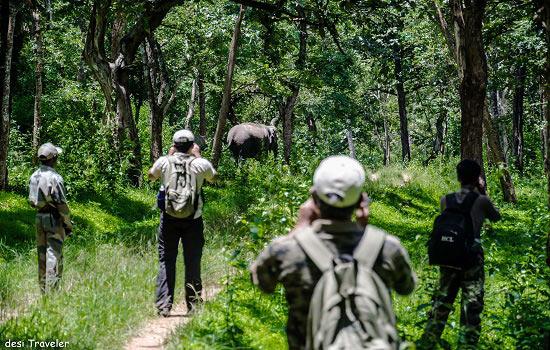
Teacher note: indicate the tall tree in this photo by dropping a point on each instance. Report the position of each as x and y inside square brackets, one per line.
[517, 115]
[226, 98]
[472, 70]
[468, 53]
[202, 105]
[160, 91]
[191, 109]
[9, 16]
[287, 110]
[112, 73]
[402, 103]
[38, 54]
[542, 18]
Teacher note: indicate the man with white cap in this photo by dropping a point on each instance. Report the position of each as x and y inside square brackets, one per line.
[327, 216]
[182, 173]
[53, 224]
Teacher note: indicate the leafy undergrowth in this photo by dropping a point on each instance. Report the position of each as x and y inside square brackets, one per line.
[110, 271]
[405, 202]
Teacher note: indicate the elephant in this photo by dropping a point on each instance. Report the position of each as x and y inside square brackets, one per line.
[250, 140]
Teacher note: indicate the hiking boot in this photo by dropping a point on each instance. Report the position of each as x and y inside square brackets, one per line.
[165, 312]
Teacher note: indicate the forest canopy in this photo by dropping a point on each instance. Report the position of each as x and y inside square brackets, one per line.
[406, 87]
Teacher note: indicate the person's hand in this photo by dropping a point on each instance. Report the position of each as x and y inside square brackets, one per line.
[481, 185]
[195, 151]
[171, 151]
[362, 212]
[308, 213]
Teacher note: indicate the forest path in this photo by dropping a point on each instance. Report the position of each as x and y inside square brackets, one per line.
[155, 333]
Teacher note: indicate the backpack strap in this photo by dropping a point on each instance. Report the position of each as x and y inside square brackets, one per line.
[369, 246]
[314, 247]
[466, 206]
[468, 202]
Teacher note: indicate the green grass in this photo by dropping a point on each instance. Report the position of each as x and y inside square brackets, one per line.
[111, 262]
[517, 280]
[108, 285]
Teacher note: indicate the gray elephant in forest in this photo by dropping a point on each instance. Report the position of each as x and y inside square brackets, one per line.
[250, 140]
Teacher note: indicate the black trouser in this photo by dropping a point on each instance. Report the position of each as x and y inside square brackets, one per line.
[190, 232]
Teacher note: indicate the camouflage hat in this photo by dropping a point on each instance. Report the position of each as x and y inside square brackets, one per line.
[48, 151]
[338, 181]
[183, 136]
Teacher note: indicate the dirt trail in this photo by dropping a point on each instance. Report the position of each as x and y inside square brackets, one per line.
[155, 334]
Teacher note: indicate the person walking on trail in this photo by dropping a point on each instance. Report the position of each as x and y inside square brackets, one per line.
[455, 246]
[53, 223]
[337, 272]
[182, 173]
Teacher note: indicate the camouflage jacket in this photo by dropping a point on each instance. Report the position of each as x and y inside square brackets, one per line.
[284, 261]
[46, 188]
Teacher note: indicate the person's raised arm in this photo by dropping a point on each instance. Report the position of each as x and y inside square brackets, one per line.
[491, 212]
[264, 272]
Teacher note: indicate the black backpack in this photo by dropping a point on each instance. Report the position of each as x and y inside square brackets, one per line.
[452, 239]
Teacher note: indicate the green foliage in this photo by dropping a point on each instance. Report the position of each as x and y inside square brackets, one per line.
[110, 267]
[405, 202]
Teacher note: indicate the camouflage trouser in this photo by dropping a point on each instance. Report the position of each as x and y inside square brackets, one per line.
[471, 281]
[49, 240]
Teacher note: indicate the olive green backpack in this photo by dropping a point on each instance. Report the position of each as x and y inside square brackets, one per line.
[351, 306]
[180, 185]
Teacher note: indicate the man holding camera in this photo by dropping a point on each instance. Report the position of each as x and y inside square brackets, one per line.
[472, 201]
[53, 224]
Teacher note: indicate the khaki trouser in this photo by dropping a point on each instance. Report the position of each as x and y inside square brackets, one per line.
[50, 235]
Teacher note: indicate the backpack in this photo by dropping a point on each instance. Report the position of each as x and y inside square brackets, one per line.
[452, 239]
[351, 306]
[180, 187]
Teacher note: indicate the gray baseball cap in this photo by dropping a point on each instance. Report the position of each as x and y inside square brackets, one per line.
[338, 181]
[182, 136]
[48, 151]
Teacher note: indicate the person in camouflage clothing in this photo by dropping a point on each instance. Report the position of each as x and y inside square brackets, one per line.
[470, 280]
[47, 194]
[336, 194]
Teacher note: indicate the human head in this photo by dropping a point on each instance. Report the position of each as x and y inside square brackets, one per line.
[183, 140]
[337, 187]
[468, 172]
[48, 153]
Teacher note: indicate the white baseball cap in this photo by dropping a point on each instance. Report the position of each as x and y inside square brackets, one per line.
[182, 136]
[48, 151]
[338, 181]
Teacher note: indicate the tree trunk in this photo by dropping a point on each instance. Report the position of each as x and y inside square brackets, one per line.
[351, 145]
[517, 119]
[191, 109]
[202, 105]
[472, 66]
[498, 108]
[402, 102]
[546, 20]
[6, 91]
[226, 99]
[288, 108]
[497, 158]
[38, 54]
[112, 74]
[440, 124]
[125, 120]
[386, 143]
[156, 134]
